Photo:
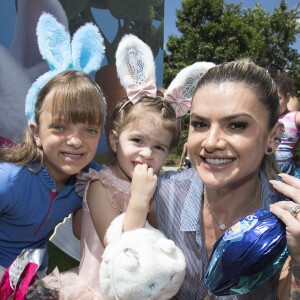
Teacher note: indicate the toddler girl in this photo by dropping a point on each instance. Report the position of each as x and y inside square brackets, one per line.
[145, 127]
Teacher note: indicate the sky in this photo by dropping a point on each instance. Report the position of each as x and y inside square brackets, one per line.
[172, 5]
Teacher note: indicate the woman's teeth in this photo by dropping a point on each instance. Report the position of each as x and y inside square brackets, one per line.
[218, 161]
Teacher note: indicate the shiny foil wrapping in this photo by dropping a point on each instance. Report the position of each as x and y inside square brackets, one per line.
[20, 274]
[248, 253]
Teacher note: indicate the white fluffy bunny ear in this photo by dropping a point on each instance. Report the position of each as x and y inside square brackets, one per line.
[181, 90]
[54, 42]
[136, 68]
[87, 48]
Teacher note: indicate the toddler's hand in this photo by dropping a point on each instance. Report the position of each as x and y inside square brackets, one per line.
[143, 183]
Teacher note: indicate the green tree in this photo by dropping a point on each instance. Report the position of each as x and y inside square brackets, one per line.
[212, 30]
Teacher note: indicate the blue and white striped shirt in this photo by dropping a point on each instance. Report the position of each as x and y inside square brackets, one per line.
[178, 212]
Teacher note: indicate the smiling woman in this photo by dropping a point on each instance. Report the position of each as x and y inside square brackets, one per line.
[231, 143]
[231, 140]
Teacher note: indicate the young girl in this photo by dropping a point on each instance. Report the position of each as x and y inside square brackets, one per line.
[144, 130]
[291, 121]
[65, 110]
[38, 176]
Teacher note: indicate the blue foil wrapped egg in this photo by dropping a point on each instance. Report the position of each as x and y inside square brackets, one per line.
[248, 253]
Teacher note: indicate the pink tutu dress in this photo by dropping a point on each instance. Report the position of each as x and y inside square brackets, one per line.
[83, 283]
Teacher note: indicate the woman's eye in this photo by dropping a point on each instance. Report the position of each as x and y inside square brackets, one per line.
[198, 124]
[238, 125]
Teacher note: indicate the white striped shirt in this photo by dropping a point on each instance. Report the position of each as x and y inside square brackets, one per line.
[178, 211]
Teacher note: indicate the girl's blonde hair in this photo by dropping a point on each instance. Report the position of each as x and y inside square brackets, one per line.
[260, 82]
[76, 98]
[147, 109]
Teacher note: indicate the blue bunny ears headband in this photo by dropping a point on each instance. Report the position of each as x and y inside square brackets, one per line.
[84, 52]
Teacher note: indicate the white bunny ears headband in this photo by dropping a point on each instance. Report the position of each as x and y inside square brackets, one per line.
[84, 53]
[136, 71]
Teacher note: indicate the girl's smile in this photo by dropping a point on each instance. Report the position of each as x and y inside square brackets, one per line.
[68, 148]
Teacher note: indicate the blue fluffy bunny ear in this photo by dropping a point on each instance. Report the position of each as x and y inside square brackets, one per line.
[87, 48]
[54, 42]
[84, 53]
[55, 47]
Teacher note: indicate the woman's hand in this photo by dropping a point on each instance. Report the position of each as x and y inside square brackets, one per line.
[291, 188]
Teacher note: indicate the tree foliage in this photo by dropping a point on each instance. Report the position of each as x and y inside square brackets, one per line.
[212, 30]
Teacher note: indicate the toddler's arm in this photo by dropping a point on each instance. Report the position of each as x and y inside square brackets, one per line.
[143, 186]
[101, 210]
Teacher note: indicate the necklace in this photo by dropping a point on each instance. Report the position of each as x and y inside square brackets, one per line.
[223, 226]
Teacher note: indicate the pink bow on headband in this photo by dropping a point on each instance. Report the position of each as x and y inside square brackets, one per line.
[180, 106]
[135, 91]
[136, 71]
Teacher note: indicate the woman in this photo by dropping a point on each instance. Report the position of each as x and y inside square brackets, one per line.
[231, 142]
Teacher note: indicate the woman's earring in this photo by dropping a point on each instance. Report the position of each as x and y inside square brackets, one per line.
[269, 150]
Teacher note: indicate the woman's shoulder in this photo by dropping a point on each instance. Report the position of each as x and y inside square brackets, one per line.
[177, 181]
[180, 175]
